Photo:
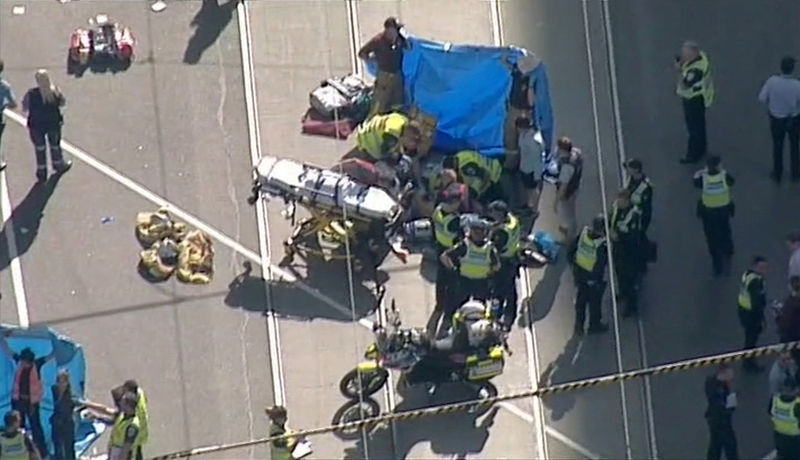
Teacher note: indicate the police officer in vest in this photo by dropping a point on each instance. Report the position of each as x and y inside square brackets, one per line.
[752, 301]
[125, 442]
[446, 232]
[696, 90]
[479, 173]
[281, 449]
[476, 260]
[625, 224]
[589, 255]
[505, 236]
[385, 138]
[715, 208]
[785, 412]
[641, 192]
[15, 443]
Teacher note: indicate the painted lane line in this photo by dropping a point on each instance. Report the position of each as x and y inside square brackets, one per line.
[524, 289]
[648, 394]
[264, 249]
[572, 444]
[190, 219]
[7, 212]
[604, 202]
[770, 456]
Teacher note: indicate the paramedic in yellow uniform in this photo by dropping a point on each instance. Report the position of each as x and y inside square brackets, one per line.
[385, 138]
[480, 173]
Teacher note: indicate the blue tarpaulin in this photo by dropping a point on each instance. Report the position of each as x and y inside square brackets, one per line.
[466, 88]
[66, 354]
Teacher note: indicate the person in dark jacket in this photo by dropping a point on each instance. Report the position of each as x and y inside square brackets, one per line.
[788, 320]
[719, 414]
[752, 301]
[589, 257]
[43, 106]
[62, 419]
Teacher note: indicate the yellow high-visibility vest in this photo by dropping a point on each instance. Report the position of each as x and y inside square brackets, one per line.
[705, 87]
[121, 425]
[783, 419]
[14, 448]
[512, 229]
[476, 264]
[716, 193]
[637, 194]
[490, 170]
[282, 448]
[745, 301]
[369, 137]
[441, 223]
[586, 255]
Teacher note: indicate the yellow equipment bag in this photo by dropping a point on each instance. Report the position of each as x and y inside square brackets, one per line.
[196, 258]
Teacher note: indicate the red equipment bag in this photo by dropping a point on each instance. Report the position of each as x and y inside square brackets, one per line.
[315, 124]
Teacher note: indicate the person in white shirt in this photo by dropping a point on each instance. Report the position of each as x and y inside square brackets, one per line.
[783, 371]
[531, 163]
[781, 94]
[793, 241]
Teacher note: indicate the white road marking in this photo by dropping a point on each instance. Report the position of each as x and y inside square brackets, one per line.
[264, 249]
[770, 456]
[572, 444]
[6, 210]
[193, 221]
[531, 345]
[604, 201]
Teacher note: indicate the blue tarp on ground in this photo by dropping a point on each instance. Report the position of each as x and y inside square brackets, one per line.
[67, 355]
[466, 88]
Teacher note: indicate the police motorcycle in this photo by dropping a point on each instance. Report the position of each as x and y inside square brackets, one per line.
[346, 219]
[422, 361]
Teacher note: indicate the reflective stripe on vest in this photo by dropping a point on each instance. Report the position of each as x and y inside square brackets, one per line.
[489, 170]
[783, 419]
[744, 293]
[280, 449]
[477, 262]
[716, 193]
[370, 134]
[623, 225]
[141, 413]
[705, 87]
[34, 384]
[586, 255]
[441, 223]
[121, 425]
[13, 448]
[637, 194]
[512, 230]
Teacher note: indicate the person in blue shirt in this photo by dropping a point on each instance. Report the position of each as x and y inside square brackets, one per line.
[7, 101]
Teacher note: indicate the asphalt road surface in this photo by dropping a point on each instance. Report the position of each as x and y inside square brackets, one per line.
[177, 123]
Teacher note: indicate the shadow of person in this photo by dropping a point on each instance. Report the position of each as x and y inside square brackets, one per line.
[455, 435]
[26, 218]
[541, 300]
[563, 369]
[252, 293]
[209, 22]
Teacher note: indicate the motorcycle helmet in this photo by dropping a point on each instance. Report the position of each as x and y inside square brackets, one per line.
[479, 331]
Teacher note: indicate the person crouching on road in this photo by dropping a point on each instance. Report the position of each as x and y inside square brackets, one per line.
[386, 49]
[386, 138]
[505, 236]
[476, 260]
[589, 256]
[625, 223]
[715, 208]
[43, 105]
[15, 443]
[752, 302]
[784, 409]
[281, 449]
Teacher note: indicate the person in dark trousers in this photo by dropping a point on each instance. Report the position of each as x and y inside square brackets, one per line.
[788, 319]
[62, 420]
[781, 95]
[641, 191]
[15, 443]
[719, 414]
[7, 101]
[26, 392]
[752, 301]
[625, 224]
[506, 237]
[589, 256]
[386, 49]
[43, 105]
[784, 409]
[696, 90]
[715, 209]
[446, 232]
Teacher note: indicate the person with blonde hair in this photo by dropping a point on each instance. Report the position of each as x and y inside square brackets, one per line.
[43, 105]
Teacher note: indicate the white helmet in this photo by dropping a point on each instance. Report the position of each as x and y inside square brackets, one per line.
[479, 331]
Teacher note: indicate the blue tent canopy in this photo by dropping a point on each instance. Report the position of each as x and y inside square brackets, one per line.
[466, 88]
[66, 354]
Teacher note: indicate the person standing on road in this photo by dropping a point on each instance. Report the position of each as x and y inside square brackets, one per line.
[589, 256]
[570, 171]
[793, 242]
[784, 408]
[281, 449]
[446, 233]
[7, 101]
[784, 369]
[15, 443]
[788, 320]
[506, 236]
[43, 105]
[696, 90]
[715, 208]
[62, 420]
[386, 49]
[719, 414]
[641, 192]
[781, 94]
[531, 163]
[752, 301]
[625, 225]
